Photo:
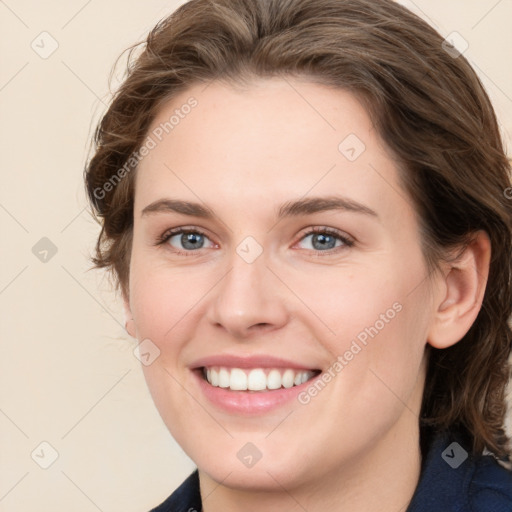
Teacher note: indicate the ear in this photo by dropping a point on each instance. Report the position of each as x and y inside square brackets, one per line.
[464, 283]
[129, 321]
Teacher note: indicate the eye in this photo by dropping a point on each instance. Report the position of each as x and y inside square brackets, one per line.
[326, 240]
[186, 241]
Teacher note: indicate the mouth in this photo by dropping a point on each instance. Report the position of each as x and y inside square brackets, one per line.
[251, 385]
[256, 379]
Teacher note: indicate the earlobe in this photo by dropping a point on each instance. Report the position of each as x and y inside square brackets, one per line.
[129, 321]
[463, 292]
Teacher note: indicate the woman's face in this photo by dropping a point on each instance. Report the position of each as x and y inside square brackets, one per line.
[301, 259]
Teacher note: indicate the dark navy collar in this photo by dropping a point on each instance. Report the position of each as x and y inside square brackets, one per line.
[451, 481]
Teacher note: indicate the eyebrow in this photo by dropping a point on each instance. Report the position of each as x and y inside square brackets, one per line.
[304, 206]
[310, 205]
[177, 206]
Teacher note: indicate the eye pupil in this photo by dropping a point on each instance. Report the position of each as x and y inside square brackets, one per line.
[324, 241]
[191, 240]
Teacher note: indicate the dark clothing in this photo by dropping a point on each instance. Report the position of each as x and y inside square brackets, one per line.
[450, 481]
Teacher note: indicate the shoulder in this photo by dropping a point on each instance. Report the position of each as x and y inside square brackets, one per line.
[490, 487]
[453, 480]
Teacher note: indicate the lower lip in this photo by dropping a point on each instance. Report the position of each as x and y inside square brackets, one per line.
[249, 402]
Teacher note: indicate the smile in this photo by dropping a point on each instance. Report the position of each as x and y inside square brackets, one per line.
[256, 379]
[251, 385]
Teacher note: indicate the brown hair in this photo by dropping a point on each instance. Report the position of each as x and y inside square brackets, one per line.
[428, 106]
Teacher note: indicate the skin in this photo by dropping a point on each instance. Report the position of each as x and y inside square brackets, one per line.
[243, 153]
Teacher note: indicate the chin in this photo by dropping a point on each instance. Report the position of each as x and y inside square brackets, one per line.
[262, 477]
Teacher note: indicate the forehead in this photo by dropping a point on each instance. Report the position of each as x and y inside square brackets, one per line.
[270, 140]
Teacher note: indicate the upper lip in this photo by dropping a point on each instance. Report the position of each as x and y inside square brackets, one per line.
[254, 361]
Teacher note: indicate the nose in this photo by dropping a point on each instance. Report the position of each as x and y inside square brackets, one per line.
[248, 300]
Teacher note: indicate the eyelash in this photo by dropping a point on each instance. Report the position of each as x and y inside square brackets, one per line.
[347, 242]
[164, 238]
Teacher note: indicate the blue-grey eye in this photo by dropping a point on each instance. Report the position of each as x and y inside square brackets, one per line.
[324, 241]
[189, 240]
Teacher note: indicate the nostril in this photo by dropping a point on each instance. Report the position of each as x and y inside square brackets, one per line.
[262, 325]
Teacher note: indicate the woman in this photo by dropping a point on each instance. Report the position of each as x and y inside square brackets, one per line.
[304, 204]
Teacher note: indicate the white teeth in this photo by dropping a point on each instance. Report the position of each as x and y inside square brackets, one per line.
[223, 378]
[238, 380]
[256, 379]
[288, 377]
[274, 379]
[214, 377]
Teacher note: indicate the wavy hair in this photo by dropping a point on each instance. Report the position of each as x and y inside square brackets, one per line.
[428, 106]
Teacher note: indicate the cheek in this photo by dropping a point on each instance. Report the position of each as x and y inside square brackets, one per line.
[352, 303]
[164, 300]
[376, 321]
[165, 306]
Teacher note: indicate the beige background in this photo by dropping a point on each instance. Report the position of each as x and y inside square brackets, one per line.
[67, 371]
